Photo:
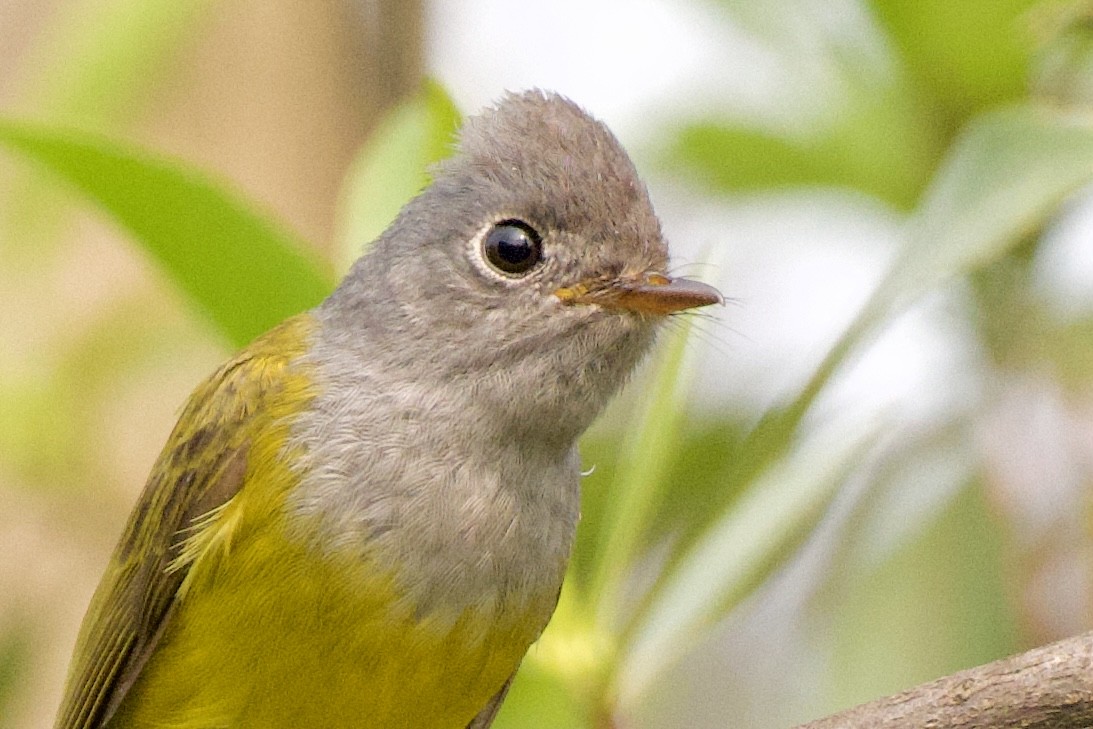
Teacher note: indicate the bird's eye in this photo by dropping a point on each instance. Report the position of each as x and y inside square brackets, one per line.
[512, 247]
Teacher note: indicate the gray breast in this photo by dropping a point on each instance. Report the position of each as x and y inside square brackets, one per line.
[414, 479]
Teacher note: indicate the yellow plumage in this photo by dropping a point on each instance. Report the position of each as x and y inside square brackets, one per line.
[261, 619]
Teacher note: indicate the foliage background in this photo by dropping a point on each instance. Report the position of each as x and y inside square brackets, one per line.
[883, 472]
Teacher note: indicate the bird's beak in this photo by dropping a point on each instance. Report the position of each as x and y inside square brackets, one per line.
[647, 293]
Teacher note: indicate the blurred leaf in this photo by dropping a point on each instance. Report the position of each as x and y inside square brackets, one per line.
[699, 476]
[1062, 68]
[1023, 332]
[874, 144]
[540, 698]
[393, 166]
[640, 474]
[51, 419]
[88, 71]
[599, 457]
[244, 270]
[967, 55]
[1004, 178]
[560, 682]
[1006, 174]
[1012, 324]
[858, 124]
[917, 474]
[1070, 348]
[734, 158]
[16, 652]
[744, 546]
[953, 574]
[97, 55]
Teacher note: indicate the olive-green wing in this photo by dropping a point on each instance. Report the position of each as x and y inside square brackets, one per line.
[489, 712]
[202, 466]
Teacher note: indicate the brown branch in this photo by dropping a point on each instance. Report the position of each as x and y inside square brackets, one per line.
[1050, 687]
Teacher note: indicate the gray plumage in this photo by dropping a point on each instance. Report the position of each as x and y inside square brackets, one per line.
[457, 458]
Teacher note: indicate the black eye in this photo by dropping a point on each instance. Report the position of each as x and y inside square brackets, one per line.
[512, 247]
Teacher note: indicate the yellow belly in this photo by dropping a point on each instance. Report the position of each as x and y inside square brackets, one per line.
[314, 647]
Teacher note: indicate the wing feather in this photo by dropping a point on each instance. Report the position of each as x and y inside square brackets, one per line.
[202, 467]
[485, 718]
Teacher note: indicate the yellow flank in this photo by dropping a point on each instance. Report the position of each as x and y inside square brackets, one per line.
[211, 617]
[290, 642]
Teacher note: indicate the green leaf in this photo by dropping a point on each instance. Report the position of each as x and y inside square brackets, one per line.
[16, 654]
[955, 575]
[1003, 179]
[91, 68]
[749, 541]
[244, 270]
[393, 166]
[703, 459]
[1005, 176]
[640, 475]
[874, 143]
[967, 55]
[863, 127]
[540, 697]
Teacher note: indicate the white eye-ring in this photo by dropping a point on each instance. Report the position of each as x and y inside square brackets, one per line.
[510, 247]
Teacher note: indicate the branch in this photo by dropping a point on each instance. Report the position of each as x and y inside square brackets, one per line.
[1050, 687]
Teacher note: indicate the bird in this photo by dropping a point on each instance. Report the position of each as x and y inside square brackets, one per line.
[364, 518]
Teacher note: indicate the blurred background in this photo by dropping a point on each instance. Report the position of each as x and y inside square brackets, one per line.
[871, 468]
